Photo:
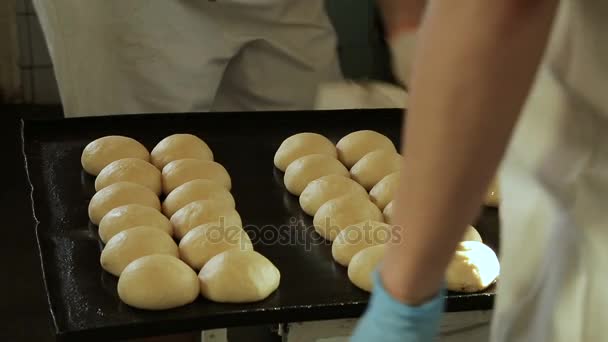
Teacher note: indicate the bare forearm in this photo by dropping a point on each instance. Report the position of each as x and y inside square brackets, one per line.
[474, 66]
[400, 15]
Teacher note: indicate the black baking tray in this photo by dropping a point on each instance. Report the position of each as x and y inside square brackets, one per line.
[83, 300]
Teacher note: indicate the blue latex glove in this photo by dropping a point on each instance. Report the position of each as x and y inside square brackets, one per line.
[387, 320]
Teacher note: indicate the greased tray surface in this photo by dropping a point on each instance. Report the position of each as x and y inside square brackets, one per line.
[83, 298]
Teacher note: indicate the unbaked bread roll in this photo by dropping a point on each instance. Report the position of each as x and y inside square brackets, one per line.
[101, 152]
[471, 234]
[374, 166]
[383, 192]
[358, 237]
[363, 264]
[179, 146]
[130, 170]
[389, 212]
[308, 168]
[321, 190]
[119, 194]
[300, 145]
[236, 276]
[204, 211]
[158, 282]
[198, 189]
[493, 195]
[337, 214]
[473, 267]
[182, 171]
[129, 216]
[134, 243]
[204, 242]
[355, 145]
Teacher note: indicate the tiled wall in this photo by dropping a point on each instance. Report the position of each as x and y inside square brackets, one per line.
[37, 75]
[361, 48]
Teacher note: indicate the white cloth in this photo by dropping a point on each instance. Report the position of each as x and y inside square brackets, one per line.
[144, 56]
[360, 95]
[554, 184]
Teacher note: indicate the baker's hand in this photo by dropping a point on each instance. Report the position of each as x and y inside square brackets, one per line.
[402, 47]
[388, 320]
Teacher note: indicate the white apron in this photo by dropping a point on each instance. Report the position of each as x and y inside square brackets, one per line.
[118, 56]
[554, 183]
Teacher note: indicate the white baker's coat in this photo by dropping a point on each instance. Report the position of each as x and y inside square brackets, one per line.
[149, 56]
[554, 184]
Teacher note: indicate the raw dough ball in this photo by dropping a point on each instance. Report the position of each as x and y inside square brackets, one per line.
[308, 168]
[326, 188]
[236, 276]
[204, 211]
[204, 242]
[337, 214]
[471, 234]
[354, 146]
[363, 265]
[158, 282]
[182, 171]
[130, 170]
[101, 152]
[179, 146]
[198, 189]
[119, 194]
[493, 195]
[129, 216]
[473, 268]
[374, 166]
[134, 243]
[383, 192]
[301, 145]
[358, 237]
[389, 212]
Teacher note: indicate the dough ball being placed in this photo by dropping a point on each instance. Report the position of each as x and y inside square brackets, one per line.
[337, 214]
[358, 237]
[204, 211]
[473, 268]
[204, 242]
[321, 190]
[236, 276]
[383, 192]
[308, 168]
[388, 212]
[134, 243]
[198, 189]
[182, 171]
[129, 216]
[158, 282]
[363, 265]
[374, 166]
[355, 145]
[179, 146]
[101, 152]
[131, 170]
[119, 194]
[493, 195]
[301, 145]
[471, 234]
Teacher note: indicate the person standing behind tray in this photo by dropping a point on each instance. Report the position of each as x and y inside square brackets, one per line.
[475, 63]
[146, 56]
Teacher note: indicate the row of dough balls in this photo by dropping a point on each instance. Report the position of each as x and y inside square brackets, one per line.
[337, 197]
[361, 247]
[202, 219]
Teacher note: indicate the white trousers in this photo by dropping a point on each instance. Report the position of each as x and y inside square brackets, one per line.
[149, 56]
[554, 183]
